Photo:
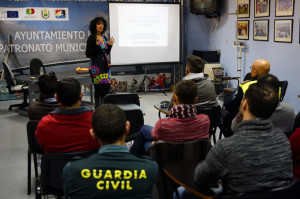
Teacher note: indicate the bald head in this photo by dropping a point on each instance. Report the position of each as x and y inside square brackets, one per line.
[260, 67]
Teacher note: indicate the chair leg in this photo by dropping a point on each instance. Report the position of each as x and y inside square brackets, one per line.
[29, 173]
[35, 165]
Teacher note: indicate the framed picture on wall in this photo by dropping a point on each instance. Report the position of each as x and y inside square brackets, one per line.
[283, 30]
[243, 30]
[243, 8]
[261, 30]
[284, 8]
[261, 8]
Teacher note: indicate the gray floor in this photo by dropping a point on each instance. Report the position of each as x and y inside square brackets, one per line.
[13, 144]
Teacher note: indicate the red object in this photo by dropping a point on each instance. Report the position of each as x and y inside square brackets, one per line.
[160, 80]
[58, 133]
[295, 146]
[180, 130]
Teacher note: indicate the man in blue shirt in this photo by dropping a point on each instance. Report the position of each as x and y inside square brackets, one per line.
[113, 172]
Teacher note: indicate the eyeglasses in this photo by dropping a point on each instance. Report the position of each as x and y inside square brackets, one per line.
[252, 68]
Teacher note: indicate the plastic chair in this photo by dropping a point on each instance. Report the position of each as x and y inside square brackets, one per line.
[35, 66]
[130, 104]
[165, 153]
[52, 165]
[215, 117]
[290, 191]
[34, 148]
[14, 88]
[121, 98]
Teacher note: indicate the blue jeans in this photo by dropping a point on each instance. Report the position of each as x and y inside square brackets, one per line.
[185, 194]
[142, 141]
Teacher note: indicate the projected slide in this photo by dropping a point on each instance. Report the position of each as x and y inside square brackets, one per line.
[146, 26]
[144, 33]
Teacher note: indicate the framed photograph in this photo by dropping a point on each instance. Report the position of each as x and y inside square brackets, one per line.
[261, 30]
[243, 8]
[284, 8]
[243, 30]
[283, 30]
[261, 8]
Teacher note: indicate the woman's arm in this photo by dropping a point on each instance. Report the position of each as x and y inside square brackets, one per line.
[92, 48]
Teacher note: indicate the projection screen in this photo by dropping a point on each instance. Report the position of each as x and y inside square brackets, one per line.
[144, 33]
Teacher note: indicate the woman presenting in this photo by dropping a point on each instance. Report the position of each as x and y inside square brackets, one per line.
[98, 49]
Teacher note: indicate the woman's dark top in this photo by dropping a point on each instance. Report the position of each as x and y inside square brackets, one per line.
[99, 61]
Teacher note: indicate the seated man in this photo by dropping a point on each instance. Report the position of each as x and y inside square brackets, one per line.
[67, 128]
[283, 116]
[184, 123]
[46, 102]
[259, 67]
[232, 102]
[206, 90]
[258, 156]
[113, 172]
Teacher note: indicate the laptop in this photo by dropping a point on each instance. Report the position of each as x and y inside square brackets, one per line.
[218, 72]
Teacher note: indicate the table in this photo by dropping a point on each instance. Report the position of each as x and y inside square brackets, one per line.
[32, 81]
[182, 173]
[161, 109]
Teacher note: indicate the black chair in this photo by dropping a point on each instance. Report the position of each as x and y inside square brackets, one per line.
[121, 98]
[165, 153]
[215, 118]
[35, 66]
[34, 148]
[130, 104]
[283, 86]
[291, 191]
[14, 88]
[52, 165]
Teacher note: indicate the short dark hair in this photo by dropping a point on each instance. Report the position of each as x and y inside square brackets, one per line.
[186, 91]
[68, 91]
[262, 99]
[195, 64]
[109, 123]
[270, 79]
[94, 22]
[47, 85]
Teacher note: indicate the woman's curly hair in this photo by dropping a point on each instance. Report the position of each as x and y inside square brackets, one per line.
[94, 22]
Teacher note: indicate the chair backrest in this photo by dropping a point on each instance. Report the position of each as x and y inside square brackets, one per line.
[51, 170]
[34, 146]
[290, 191]
[165, 153]
[136, 119]
[121, 98]
[9, 77]
[35, 65]
[283, 85]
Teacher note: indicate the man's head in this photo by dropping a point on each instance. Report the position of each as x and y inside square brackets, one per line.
[185, 92]
[260, 100]
[271, 79]
[109, 124]
[68, 92]
[194, 64]
[260, 67]
[47, 85]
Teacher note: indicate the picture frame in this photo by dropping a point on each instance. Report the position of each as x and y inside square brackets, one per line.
[243, 8]
[261, 8]
[261, 30]
[243, 30]
[283, 30]
[284, 8]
